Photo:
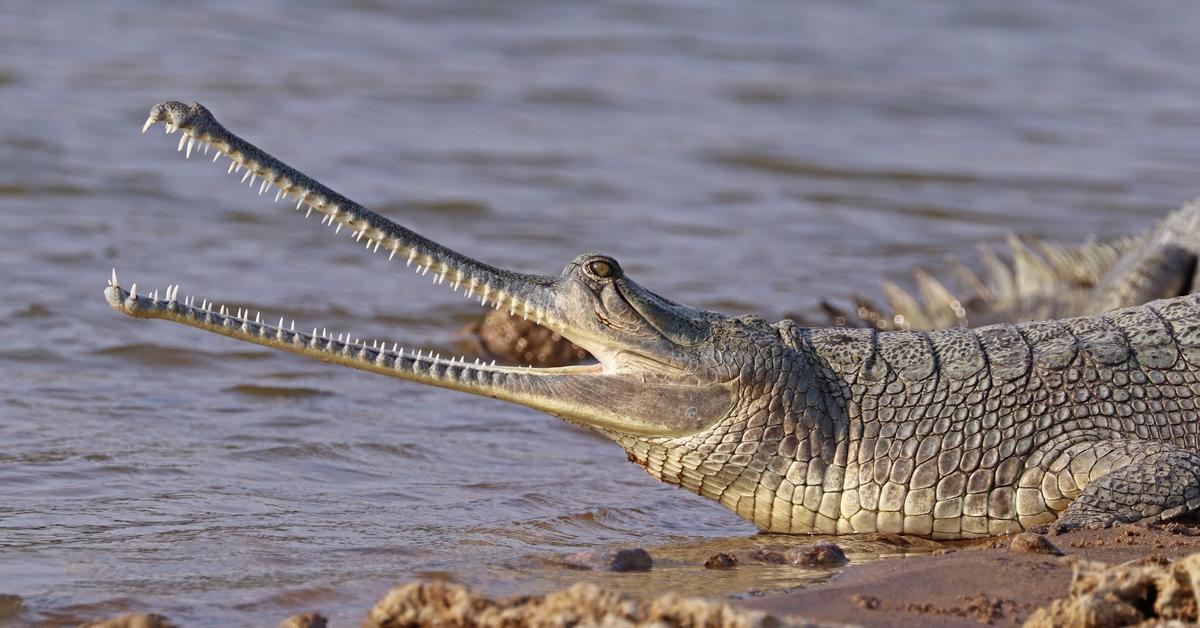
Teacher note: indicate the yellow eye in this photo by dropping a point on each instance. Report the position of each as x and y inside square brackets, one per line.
[600, 268]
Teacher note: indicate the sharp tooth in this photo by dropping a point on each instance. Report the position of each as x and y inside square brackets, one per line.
[154, 295]
[309, 212]
[147, 125]
[114, 278]
[182, 140]
[232, 164]
[133, 290]
[357, 235]
[377, 243]
[280, 325]
[425, 271]
[369, 242]
[393, 253]
[294, 326]
[419, 267]
[411, 256]
[246, 176]
[253, 175]
[263, 186]
[191, 142]
[258, 317]
[206, 149]
[238, 167]
[303, 195]
[170, 128]
[338, 230]
[278, 193]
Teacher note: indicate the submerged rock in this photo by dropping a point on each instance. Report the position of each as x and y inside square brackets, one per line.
[1148, 591]
[445, 604]
[134, 620]
[635, 559]
[305, 620]
[819, 554]
[721, 561]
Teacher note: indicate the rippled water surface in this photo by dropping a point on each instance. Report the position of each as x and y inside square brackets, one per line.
[743, 158]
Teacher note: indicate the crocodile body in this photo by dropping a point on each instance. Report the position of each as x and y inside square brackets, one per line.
[949, 434]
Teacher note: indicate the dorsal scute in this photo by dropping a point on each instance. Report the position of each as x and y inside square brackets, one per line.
[909, 353]
[1054, 347]
[844, 349]
[1183, 316]
[1148, 336]
[1100, 341]
[958, 353]
[1007, 351]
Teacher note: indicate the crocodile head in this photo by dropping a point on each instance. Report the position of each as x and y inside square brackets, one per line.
[663, 369]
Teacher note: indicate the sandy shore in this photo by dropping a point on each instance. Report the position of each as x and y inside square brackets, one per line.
[988, 583]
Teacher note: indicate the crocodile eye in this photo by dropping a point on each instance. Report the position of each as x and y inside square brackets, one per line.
[603, 268]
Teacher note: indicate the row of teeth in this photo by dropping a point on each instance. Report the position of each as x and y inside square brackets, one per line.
[342, 217]
[221, 316]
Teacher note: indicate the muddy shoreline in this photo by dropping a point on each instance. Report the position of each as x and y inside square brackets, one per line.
[988, 583]
[998, 581]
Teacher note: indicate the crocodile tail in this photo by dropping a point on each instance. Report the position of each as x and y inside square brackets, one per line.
[1037, 279]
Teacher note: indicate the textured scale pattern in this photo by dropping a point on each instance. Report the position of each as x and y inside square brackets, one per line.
[957, 433]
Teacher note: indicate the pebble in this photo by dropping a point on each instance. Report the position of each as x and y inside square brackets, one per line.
[620, 560]
[1030, 543]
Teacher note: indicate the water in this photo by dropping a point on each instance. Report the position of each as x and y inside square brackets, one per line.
[734, 157]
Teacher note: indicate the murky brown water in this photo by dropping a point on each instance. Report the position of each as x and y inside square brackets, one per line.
[736, 157]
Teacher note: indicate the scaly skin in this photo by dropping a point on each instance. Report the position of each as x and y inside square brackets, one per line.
[949, 434]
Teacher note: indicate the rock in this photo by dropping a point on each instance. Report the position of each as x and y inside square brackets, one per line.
[10, 605]
[1031, 543]
[445, 604]
[867, 602]
[512, 339]
[721, 561]
[305, 620]
[819, 554]
[1127, 594]
[635, 559]
[134, 620]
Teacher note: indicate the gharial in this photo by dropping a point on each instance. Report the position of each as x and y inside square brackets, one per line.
[1043, 280]
[956, 433]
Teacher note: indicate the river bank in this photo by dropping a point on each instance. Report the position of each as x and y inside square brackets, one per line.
[989, 583]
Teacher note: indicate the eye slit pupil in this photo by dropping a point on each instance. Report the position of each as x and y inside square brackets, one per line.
[600, 268]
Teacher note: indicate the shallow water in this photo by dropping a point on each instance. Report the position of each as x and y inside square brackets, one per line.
[734, 158]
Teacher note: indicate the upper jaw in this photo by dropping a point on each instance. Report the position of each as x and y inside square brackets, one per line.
[529, 296]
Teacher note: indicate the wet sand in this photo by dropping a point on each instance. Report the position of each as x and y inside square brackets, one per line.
[987, 583]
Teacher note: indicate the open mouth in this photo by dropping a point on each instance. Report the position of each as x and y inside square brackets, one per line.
[523, 295]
